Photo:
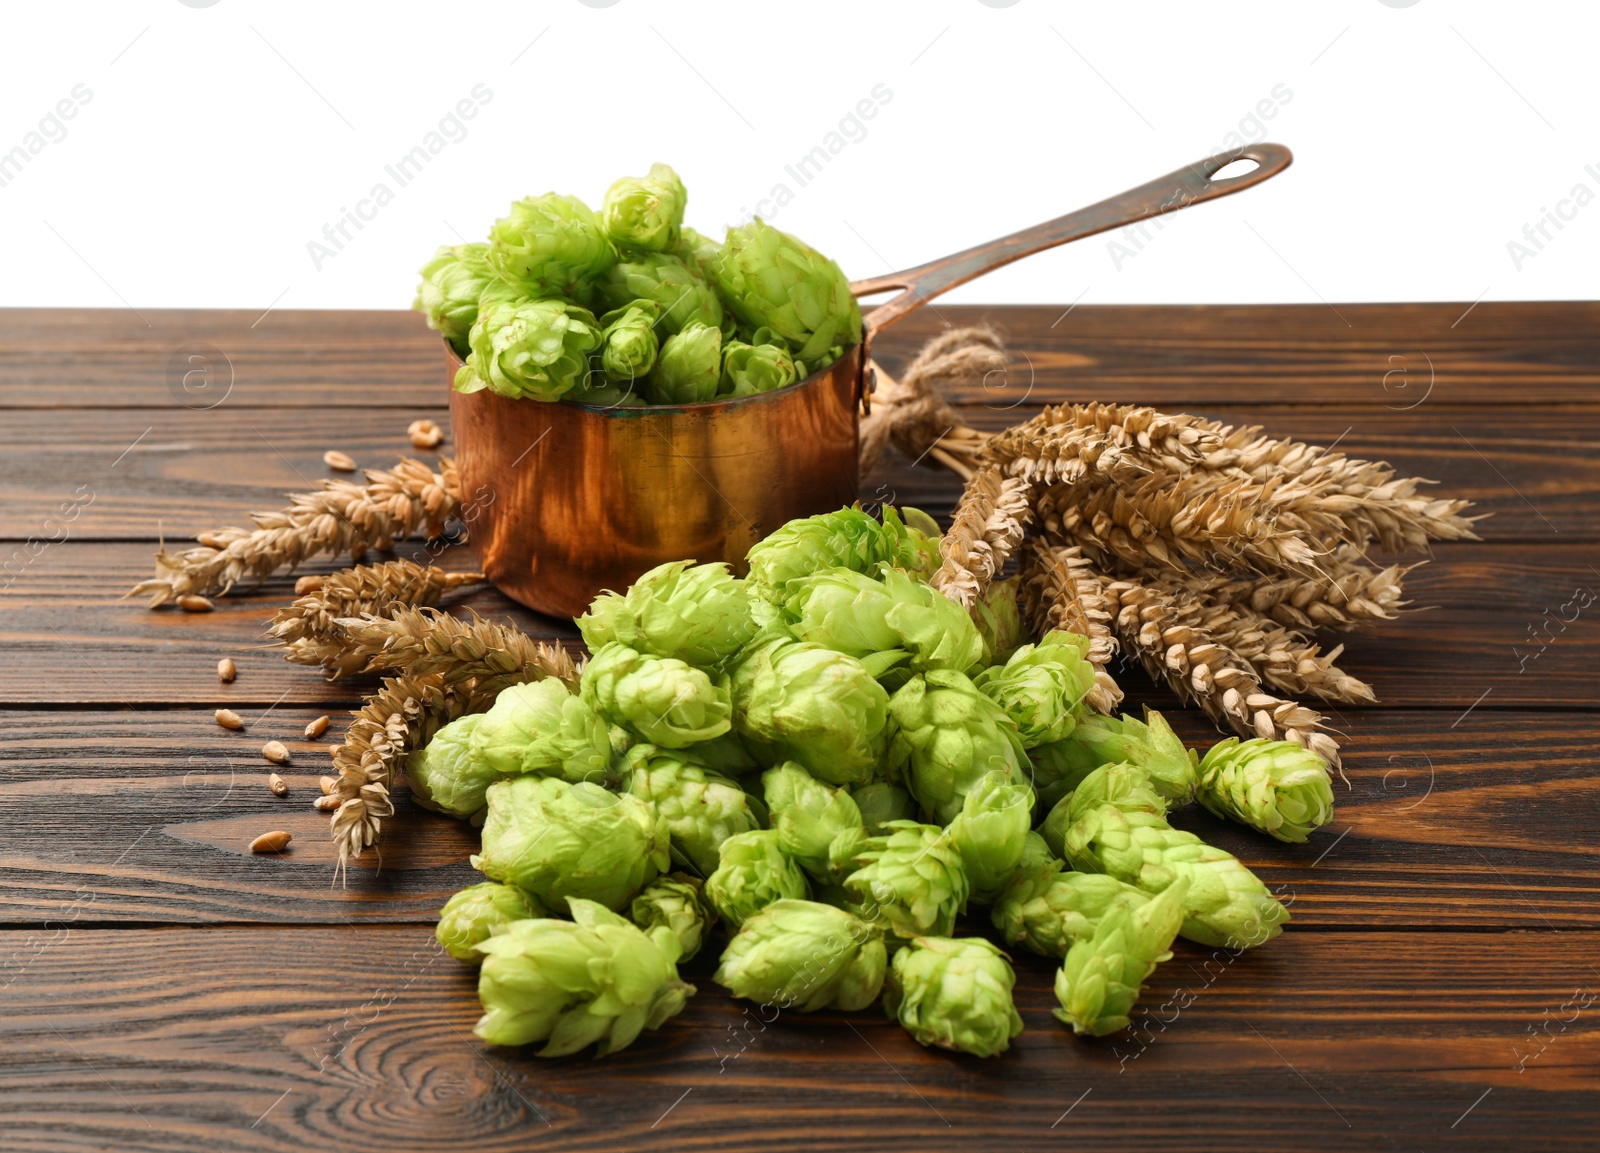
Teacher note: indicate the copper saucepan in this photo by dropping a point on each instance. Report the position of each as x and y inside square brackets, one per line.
[564, 500]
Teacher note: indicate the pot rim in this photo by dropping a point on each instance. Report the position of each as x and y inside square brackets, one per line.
[706, 406]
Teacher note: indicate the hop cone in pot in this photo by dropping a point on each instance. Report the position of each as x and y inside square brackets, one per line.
[773, 280]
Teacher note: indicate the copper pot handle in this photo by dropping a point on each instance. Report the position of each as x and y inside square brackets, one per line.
[1189, 185]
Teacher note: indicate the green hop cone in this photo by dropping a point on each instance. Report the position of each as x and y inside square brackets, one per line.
[854, 613]
[999, 621]
[1126, 785]
[621, 741]
[1149, 744]
[448, 294]
[480, 911]
[954, 992]
[701, 810]
[684, 296]
[599, 392]
[530, 348]
[751, 368]
[803, 955]
[697, 251]
[560, 840]
[594, 980]
[1036, 854]
[662, 699]
[1056, 768]
[542, 727]
[688, 368]
[629, 342]
[946, 736]
[806, 703]
[645, 212]
[881, 802]
[447, 776]
[754, 872]
[1045, 908]
[911, 880]
[849, 538]
[551, 245]
[991, 831]
[676, 905]
[1102, 974]
[818, 825]
[1277, 787]
[699, 614]
[1115, 823]
[773, 280]
[725, 755]
[1041, 686]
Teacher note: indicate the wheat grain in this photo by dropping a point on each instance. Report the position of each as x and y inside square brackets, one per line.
[425, 434]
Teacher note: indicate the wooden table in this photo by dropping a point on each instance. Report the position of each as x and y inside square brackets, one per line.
[163, 989]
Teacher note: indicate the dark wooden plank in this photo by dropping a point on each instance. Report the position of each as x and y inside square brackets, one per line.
[57, 610]
[1491, 623]
[1499, 354]
[134, 473]
[145, 816]
[257, 1039]
[97, 358]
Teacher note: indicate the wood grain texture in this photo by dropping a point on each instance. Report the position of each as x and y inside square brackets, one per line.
[163, 989]
[78, 640]
[1500, 353]
[145, 817]
[135, 474]
[326, 1039]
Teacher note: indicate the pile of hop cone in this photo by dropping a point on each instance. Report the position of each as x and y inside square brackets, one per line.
[832, 762]
[835, 758]
[1211, 553]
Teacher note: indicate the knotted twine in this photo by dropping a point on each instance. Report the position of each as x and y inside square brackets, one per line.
[913, 416]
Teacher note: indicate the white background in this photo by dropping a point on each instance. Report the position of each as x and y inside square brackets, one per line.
[219, 141]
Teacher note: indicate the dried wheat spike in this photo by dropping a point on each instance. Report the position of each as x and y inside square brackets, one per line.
[402, 715]
[451, 668]
[1363, 499]
[426, 641]
[309, 628]
[986, 529]
[1125, 442]
[1151, 528]
[911, 413]
[1282, 657]
[1199, 667]
[1347, 593]
[340, 517]
[1060, 590]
